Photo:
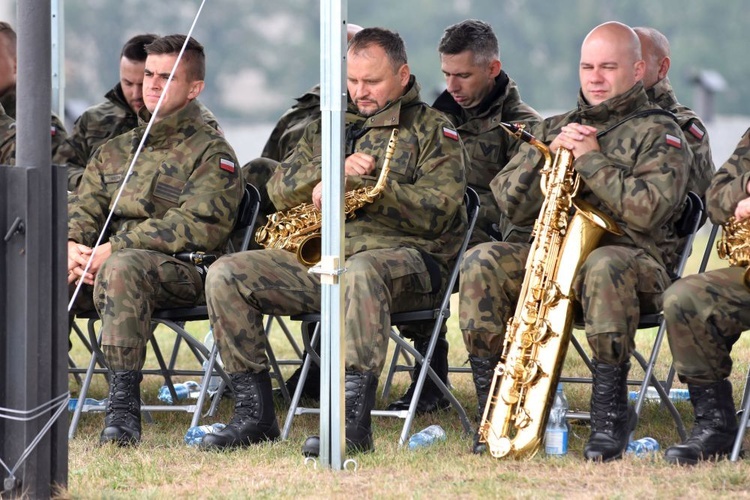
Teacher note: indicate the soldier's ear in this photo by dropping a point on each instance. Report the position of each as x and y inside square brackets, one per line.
[196, 88]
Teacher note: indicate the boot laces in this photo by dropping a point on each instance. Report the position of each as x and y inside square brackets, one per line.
[246, 405]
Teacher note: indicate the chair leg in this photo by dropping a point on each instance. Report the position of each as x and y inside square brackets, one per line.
[393, 367]
[294, 405]
[745, 410]
[82, 396]
[276, 371]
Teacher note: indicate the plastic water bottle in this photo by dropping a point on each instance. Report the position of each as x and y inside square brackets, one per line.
[195, 435]
[642, 447]
[184, 390]
[88, 401]
[215, 380]
[427, 437]
[652, 395]
[556, 433]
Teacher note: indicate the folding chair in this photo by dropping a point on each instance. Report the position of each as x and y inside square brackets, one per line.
[433, 317]
[687, 228]
[174, 319]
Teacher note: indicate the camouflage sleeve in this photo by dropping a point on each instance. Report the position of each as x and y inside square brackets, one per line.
[517, 188]
[204, 216]
[729, 184]
[646, 195]
[437, 192]
[702, 167]
[74, 153]
[88, 206]
[292, 184]
[58, 135]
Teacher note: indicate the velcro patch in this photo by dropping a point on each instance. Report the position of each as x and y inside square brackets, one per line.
[227, 165]
[673, 141]
[450, 133]
[696, 131]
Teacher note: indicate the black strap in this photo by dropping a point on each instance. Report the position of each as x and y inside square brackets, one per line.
[637, 114]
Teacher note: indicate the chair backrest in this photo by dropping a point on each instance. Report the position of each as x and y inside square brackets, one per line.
[687, 227]
[247, 216]
[471, 200]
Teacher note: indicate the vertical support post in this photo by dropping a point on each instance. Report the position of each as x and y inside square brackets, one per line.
[57, 19]
[33, 289]
[332, 106]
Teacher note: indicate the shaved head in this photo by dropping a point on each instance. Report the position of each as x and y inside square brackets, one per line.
[656, 52]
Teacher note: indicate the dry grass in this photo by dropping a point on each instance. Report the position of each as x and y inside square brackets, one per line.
[163, 466]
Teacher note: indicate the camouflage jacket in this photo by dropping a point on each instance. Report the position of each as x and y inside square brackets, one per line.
[702, 168]
[57, 129]
[422, 204]
[97, 125]
[729, 184]
[7, 138]
[183, 193]
[639, 177]
[288, 131]
[489, 146]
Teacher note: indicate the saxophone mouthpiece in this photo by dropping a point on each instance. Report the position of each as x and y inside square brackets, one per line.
[519, 132]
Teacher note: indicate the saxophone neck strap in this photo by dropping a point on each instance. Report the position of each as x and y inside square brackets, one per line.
[638, 114]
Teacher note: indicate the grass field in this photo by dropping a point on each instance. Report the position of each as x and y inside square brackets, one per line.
[163, 466]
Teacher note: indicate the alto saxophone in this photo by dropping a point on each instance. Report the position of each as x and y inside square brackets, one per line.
[537, 336]
[297, 229]
[734, 245]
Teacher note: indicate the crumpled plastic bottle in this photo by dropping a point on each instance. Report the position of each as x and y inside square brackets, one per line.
[184, 390]
[195, 435]
[427, 437]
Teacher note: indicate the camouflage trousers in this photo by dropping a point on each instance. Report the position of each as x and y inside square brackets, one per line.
[130, 285]
[242, 287]
[614, 286]
[705, 314]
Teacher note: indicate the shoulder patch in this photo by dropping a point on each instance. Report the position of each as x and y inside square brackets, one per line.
[227, 165]
[673, 141]
[52, 131]
[450, 133]
[697, 132]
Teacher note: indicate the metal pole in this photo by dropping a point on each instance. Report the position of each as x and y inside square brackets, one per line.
[58, 58]
[332, 106]
[33, 289]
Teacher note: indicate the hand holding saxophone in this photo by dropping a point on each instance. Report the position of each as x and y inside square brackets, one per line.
[742, 211]
[578, 138]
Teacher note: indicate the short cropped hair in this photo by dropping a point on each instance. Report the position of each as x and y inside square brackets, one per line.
[474, 35]
[9, 33]
[194, 57]
[135, 48]
[390, 41]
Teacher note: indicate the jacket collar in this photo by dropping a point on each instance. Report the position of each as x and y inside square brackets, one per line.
[447, 104]
[614, 108]
[172, 127]
[390, 115]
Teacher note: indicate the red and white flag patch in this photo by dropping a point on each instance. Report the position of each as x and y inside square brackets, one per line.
[450, 133]
[227, 165]
[673, 141]
[52, 131]
[696, 131]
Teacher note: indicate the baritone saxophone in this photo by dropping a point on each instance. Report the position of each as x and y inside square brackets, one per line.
[537, 336]
[734, 245]
[297, 229]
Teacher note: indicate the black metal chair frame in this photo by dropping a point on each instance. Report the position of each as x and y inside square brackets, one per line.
[434, 317]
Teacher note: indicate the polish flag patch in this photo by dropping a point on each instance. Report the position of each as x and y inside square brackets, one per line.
[673, 141]
[450, 133]
[227, 165]
[696, 131]
[52, 131]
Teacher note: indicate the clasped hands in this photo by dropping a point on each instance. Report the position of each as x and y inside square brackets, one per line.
[578, 138]
[355, 164]
[78, 257]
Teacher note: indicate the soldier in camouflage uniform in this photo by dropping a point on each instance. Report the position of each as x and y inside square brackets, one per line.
[655, 48]
[8, 65]
[705, 315]
[632, 162]
[117, 115]
[7, 138]
[478, 96]
[182, 195]
[398, 249]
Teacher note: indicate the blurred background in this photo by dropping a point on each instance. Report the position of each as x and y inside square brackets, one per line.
[261, 54]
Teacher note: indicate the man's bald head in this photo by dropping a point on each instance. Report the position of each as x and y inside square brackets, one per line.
[656, 52]
[611, 62]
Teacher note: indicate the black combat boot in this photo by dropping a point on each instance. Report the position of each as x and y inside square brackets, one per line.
[432, 398]
[612, 418]
[359, 392]
[254, 419]
[715, 425]
[122, 423]
[482, 370]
